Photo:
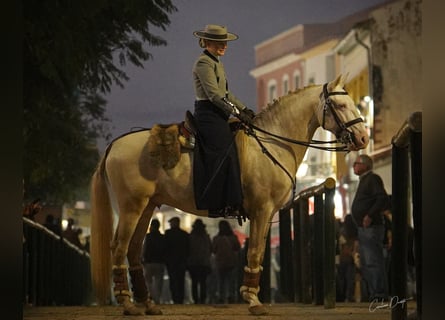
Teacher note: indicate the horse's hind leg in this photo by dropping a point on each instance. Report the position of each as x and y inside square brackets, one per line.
[129, 217]
[140, 290]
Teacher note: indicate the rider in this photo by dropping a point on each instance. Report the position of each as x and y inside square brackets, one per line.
[217, 173]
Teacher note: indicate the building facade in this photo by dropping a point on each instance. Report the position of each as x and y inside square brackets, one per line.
[379, 48]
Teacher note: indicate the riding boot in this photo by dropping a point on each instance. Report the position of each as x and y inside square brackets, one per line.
[227, 212]
[217, 213]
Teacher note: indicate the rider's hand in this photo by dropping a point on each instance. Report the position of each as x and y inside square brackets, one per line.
[246, 115]
[249, 112]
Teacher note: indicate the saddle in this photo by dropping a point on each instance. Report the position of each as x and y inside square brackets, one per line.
[168, 141]
[187, 131]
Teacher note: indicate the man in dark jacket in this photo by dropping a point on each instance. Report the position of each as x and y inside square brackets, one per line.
[176, 255]
[153, 260]
[367, 209]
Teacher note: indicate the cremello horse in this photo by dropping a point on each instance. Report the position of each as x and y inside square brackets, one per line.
[138, 188]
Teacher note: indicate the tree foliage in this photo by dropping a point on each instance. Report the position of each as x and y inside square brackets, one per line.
[73, 52]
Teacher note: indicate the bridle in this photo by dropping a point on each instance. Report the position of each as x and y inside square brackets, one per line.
[344, 135]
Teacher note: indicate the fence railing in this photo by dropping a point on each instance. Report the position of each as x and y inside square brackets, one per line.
[307, 254]
[55, 272]
[406, 165]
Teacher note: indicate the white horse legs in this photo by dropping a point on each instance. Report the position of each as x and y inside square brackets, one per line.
[250, 288]
[138, 301]
[252, 272]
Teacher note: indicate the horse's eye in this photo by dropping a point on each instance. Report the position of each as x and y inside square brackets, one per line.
[341, 106]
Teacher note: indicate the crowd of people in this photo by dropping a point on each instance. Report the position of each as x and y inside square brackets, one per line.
[208, 265]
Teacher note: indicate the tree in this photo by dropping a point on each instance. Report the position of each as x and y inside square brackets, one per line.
[70, 52]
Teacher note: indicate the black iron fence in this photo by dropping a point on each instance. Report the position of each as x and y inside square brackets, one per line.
[56, 273]
[307, 247]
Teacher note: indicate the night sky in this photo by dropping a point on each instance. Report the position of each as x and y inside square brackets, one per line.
[163, 90]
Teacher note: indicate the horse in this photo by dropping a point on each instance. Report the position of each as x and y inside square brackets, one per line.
[126, 175]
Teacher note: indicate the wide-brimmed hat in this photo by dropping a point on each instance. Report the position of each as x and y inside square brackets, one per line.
[216, 33]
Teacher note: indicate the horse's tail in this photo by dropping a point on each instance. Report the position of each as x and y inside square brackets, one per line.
[101, 235]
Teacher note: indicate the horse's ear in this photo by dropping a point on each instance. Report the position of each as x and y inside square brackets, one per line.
[344, 79]
[339, 81]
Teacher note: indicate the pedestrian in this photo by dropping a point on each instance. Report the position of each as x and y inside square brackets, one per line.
[387, 246]
[153, 259]
[52, 225]
[346, 270]
[176, 255]
[212, 282]
[369, 203]
[274, 271]
[217, 180]
[71, 233]
[226, 247]
[199, 260]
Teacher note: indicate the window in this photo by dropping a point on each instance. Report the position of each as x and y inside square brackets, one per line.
[311, 79]
[285, 84]
[297, 79]
[272, 90]
[330, 67]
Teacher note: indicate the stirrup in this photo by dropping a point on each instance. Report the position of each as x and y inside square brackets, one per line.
[226, 213]
[239, 214]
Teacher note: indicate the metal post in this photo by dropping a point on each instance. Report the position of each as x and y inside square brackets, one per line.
[305, 249]
[286, 261]
[318, 249]
[329, 245]
[409, 134]
[416, 181]
[297, 252]
[400, 231]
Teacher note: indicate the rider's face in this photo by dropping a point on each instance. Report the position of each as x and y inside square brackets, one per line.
[217, 48]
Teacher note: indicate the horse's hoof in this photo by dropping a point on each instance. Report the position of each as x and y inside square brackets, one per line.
[133, 311]
[258, 310]
[153, 310]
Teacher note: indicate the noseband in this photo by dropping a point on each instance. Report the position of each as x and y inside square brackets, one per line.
[344, 135]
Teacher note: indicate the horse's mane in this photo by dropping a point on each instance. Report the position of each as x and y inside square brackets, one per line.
[271, 106]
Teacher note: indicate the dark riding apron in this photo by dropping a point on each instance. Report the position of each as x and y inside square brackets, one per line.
[216, 171]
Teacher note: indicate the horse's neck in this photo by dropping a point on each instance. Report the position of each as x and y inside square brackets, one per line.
[292, 116]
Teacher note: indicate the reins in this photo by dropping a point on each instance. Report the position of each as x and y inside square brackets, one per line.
[329, 105]
[312, 143]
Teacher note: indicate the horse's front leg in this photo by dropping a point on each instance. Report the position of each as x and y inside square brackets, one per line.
[259, 227]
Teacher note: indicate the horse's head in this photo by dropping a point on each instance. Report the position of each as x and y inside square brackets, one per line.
[338, 114]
